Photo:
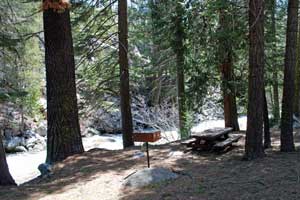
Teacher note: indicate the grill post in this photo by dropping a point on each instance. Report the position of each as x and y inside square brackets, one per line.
[146, 137]
[148, 158]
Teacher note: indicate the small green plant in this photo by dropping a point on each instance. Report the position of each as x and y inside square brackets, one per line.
[200, 189]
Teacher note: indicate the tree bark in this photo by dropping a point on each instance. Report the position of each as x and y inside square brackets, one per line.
[5, 177]
[180, 65]
[276, 108]
[297, 79]
[156, 85]
[124, 75]
[254, 146]
[287, 138]
[267, 134]
[63, 134]
[227, 72]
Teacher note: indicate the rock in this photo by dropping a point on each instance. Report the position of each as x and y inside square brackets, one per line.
[4, 142]
[92, 131]
[108, 121]
[35, 142]
[14, 142]
[296, 122]
[45, 169]
[149, 176]
[39, 147]
[29, 134]
[42, 129]
[20, 149]
[30, 143]
[8, 133]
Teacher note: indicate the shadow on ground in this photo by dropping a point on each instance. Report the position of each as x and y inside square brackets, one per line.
[227, 177]
[204, 176]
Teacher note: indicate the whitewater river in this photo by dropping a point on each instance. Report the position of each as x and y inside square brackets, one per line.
[24, 166]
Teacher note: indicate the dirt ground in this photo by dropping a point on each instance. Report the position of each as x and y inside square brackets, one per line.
[99, 174]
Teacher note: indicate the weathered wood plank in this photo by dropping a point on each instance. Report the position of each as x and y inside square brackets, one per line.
[188, 141]
[227, 142]
[211, 134]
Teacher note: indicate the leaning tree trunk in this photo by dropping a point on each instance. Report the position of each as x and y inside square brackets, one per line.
[63, 135]
[254, 146]
[287, 138]
[5, 177]
[226, 68]
[124, 75]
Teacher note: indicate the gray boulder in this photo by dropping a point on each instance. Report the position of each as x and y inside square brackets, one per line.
[20, 149]
[91, 131]
[42, 129]
[13, 143]
[8, 133]
[108, 121]
[45, 169]
[296, 122]
[149, 176]
[35, 142]
[29, 134]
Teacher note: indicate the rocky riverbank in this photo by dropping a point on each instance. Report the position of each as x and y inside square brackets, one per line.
[24, 165]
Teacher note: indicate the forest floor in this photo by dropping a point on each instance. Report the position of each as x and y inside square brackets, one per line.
[99, 174]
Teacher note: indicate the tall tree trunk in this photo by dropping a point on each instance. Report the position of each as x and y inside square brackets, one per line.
[63, 135]
[5, 177]
[156, 85]
[287, 138]
[124, 75]
[297, 79]
[254, 146]
[276, 108]
[227, 72]
[180, 64]
[267, 134]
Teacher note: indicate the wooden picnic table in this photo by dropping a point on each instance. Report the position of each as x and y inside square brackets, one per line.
[211, 139]
[212, 134]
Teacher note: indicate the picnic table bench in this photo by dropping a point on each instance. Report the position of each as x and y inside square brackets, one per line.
[212, 139]
[228, 142]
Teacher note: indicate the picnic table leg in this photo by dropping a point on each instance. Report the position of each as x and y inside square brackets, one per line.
[207, 146]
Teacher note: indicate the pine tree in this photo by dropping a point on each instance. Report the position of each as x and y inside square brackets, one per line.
[287, 138]
[226, 67]
[179, 49]
[63, 134]
[267, 133]
[124, 75]
[276, 109]
[254, 145]
[5, 177]
[297, 78]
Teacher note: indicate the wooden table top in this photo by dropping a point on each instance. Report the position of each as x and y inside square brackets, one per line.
[211, 134]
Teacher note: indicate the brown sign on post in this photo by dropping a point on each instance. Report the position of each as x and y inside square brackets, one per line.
[146, 136]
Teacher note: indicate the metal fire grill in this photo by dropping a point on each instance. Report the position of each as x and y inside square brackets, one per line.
[146, 136]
